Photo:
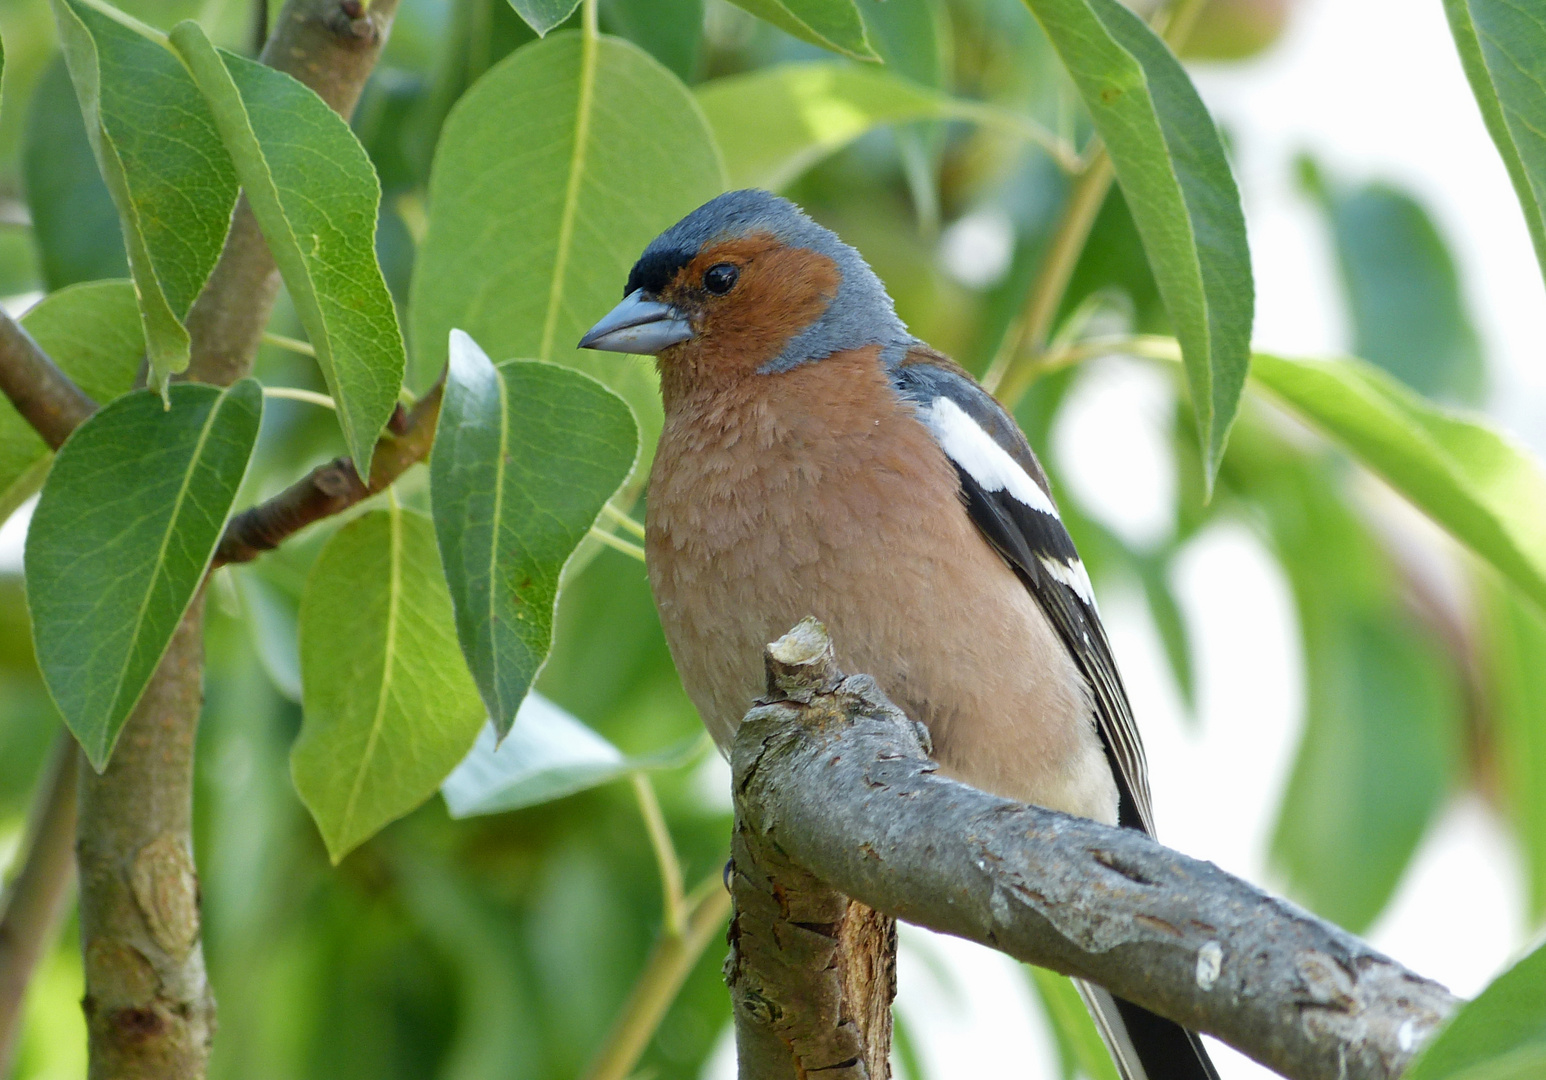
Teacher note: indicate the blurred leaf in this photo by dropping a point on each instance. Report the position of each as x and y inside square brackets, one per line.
[544, 15]
[131, 514]
[389, 706]
[157, 147]
[272, 620]
[1172, 168]
[1513, 651]
[93, 333]
[913, 39]
[1402, 290]
[316, 196]
[1478, 483]
[74, 221]
[1499, 1036]
[831, 24]
[548, 754]
[1503, 50]
[1080, 1049]
[553, 173]
[669, 30]
[526, 455]
[774, 123]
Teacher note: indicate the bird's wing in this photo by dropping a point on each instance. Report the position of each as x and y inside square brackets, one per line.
[1007, 495]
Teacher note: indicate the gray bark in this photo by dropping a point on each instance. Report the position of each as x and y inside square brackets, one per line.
[836, 780]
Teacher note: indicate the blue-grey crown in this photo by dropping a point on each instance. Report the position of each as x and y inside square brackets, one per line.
[860, 314]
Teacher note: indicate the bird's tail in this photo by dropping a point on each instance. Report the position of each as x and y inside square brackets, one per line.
[1145, 1046]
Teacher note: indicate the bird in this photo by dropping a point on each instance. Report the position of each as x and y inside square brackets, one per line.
[818, 459]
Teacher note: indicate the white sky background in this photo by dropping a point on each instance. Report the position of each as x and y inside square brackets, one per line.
[1374, 90]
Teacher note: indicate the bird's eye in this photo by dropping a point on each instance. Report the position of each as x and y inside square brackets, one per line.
[720, 278]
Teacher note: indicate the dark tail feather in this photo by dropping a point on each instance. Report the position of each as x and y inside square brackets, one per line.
[1145, 1046]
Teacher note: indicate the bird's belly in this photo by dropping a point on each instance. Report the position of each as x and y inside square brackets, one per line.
[921, 603]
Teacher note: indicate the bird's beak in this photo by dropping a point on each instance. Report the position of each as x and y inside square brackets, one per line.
[637, 325]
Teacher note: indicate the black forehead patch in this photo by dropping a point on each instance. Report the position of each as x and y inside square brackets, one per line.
[655, 269]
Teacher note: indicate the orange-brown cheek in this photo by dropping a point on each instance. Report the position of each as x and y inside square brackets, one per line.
[781, 291]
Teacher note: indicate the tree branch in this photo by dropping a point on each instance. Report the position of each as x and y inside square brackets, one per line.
[36, 899]
[335, 487]
[835, 780]
[46, 397]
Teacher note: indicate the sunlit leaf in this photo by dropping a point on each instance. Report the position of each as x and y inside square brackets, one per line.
[157, 147]
[1502, 47]
[1171, 165]
[774, 123]
[552, 174]
[548, 754]
[1478, 483]
[315, 194]
[74, 221]
[92, 331]
[831, 24]
[389, 708]
[526, 455]
[1403, 293]
[126, 526]
[1499, 1036]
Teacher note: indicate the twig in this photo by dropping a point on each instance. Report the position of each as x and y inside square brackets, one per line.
[46, 397]
[672, 906]
[333, 488]
[36, 899]
[838, 782]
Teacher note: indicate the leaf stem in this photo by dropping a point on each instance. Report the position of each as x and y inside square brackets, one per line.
[674, 908]
[629, 525]
[669, 964]
[295, 393]
[296, 345]
[612, 540]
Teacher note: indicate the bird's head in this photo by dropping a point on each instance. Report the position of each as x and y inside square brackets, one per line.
[747, 285]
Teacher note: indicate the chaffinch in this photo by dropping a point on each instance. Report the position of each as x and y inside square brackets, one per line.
[817, 459]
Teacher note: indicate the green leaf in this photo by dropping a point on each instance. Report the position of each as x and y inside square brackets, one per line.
[548, 754]
[93, 334]
[1513, 655]
[1502, 47]
[1402, 289]
[1171, 165]
[553, 173]
[1478, 483]
[388, 705]
[526, 454]
[1499, 1036]
[1080, 1049]
[315, 194]
[157, 148]
[831, 24]
[669, 30]
[125, 529]
[544, 15]
[774, 123]
[74, 221]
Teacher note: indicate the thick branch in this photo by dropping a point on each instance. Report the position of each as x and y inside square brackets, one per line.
[811, 973]
[45, 396]
[149, 1010]
[332, 488]
[36, 899]
[840, 785]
